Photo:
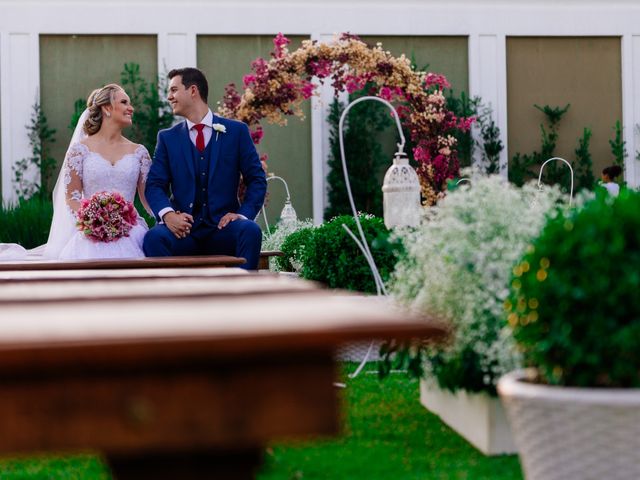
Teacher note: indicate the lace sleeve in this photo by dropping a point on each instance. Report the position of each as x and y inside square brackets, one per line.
[145, 163]
[73, 165]
[145, 166]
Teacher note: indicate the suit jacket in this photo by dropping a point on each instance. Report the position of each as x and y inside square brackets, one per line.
[172, 182]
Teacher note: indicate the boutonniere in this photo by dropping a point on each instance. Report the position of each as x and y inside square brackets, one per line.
[219, 128]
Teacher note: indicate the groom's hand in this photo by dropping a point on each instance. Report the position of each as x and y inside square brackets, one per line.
[228, 218]
[179, 223]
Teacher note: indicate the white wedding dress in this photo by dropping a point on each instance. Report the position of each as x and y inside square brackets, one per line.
[96, 174]
[84, 173]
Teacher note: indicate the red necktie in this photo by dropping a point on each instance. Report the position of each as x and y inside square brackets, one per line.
[199, 136]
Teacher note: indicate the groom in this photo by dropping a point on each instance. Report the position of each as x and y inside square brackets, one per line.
[192, 186]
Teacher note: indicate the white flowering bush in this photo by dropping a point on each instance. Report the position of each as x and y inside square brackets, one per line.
[275, 239]
[457, 267]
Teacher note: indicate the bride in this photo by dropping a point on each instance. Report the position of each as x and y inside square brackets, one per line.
[99, 159]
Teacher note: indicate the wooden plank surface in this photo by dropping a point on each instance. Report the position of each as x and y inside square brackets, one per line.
[148, 262]
[248, 304]
[163, 374]
[17, 276]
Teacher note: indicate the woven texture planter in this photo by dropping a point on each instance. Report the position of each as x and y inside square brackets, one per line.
[573, 433]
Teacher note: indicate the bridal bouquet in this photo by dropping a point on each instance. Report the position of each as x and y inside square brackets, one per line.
[106, 217]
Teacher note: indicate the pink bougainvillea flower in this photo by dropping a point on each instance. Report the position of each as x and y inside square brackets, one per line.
[386, 94]
[353, 83]
[436, 79]
[307, 89]
[280, 43]
[257, 134]
[248, 79]
[276, 88]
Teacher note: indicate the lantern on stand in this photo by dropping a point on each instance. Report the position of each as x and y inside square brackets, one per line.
[401, 190]
[288, 214]
[401, 193]
[401, 201]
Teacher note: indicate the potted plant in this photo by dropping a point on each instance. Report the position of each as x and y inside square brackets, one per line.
[575, 315]
[457, 267]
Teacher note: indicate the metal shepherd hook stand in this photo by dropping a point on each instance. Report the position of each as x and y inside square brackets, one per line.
[408, 216]
[570, 169]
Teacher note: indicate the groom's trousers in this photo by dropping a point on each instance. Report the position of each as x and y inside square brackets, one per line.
[240, 238]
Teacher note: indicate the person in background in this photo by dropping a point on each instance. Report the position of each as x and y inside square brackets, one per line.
[609, 175]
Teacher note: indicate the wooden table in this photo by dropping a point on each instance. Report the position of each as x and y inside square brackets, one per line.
[180, 378]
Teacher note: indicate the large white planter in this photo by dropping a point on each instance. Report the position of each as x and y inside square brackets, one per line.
[566, 433]
[477, 417]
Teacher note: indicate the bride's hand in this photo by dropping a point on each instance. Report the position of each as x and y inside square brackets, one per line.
[178, 223]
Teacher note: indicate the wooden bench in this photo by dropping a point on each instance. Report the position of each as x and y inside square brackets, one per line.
[210, 261]
[263, 263]
[178, 378]
[198, 261]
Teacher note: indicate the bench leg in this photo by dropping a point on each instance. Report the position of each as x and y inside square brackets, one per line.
[234, 465]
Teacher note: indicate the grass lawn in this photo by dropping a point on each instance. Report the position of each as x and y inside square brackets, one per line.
[388, 435]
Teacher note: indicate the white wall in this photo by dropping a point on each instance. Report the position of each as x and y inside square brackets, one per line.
[486, 23]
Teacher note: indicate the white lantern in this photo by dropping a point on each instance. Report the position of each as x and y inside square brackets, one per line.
[401, 194]
[288, 215]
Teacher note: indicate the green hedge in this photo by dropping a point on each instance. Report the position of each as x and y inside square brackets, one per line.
[330, 256]
[26, 223]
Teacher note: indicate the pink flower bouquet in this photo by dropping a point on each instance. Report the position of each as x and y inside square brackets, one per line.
[106, 217]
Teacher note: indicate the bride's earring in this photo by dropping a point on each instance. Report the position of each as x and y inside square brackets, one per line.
[108, 114]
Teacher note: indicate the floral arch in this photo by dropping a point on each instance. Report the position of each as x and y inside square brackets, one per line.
[276, 88]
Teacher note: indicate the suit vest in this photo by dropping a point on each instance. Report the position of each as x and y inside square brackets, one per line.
[201, 161]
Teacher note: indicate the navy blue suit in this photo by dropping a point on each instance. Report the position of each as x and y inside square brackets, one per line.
[205, 185]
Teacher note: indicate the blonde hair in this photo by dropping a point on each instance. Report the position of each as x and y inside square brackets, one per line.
[99, 98]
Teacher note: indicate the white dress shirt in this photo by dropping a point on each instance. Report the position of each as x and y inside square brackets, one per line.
[207, 121]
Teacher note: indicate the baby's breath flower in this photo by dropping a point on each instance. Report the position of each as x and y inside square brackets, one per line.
[458, 265]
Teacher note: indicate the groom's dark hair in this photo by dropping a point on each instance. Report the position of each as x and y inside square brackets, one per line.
[192, 76]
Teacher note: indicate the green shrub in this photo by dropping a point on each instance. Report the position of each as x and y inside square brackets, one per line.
[26, 223]
[333, 258]
[273, 240]
[574, 297]
[293, 249]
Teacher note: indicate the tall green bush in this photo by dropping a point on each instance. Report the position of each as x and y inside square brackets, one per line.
[524, 167]
[463, 106]
[618, 146]
[583, 166]
[489, 143]
[41, 136]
